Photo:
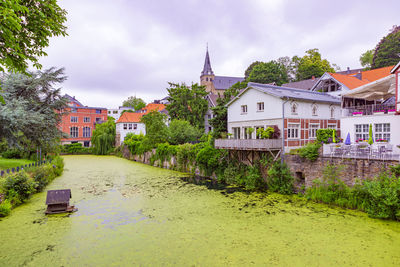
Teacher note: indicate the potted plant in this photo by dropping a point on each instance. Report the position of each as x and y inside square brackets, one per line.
[391, 111]
[381, 140]
[357, 113]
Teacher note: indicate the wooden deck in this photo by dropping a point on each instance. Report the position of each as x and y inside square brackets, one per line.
[249, 144]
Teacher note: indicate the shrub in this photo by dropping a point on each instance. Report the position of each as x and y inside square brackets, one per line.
[165, 151]
[208, 159]
[43, 175]
[184, 156]
[12, 154]
[253, 179]
[280, 179]
[395, 170]
[180, 132]
[5, 208]
[310, 151]
[325, 135]
[19, 186]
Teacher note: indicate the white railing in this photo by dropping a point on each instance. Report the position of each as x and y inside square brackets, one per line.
[248, 144]
[369, 110]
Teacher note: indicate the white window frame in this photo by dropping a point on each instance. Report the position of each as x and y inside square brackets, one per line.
[243, 109]
[74, 132]
[134, 126]
[125, 126]
[236, 132]
[331, 126]
[361, 131]
[293, 130]
[313, 128]
[382, 131]
[86, 132]
[260, 106]
[130, 126]
[86, 119]
[74, 119]
[314, 107]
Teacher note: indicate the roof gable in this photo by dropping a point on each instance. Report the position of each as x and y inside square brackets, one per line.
[130, 117]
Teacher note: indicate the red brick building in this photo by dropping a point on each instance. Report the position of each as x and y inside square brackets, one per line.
[80, 122]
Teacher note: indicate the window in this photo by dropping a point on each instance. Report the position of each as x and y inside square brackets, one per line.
[293, 130]
[73, 132]
[314, 110]
[98, 119]
[382, 131]
[208, 116]
[86, 131]
[73, 110]
[115, 111]
[236, 132]
[332, 126]
[86, 143]
[98, 111]
[125, 126]
[247, 132]
[86, 119]
[74, 119]
[244, 109]
[294, 108]
[332, 112]
[134, 126]
[109, 112]
[130, 126]
[260, 106]
[362, 131]
[313, 130]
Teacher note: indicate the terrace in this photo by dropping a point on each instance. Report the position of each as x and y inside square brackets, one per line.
[249, 144]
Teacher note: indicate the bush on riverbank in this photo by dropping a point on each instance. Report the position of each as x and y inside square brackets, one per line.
[17, 188]
[379, 197]
[75, 149]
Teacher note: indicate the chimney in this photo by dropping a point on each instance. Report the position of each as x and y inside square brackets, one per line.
[359, 75]
[348, 70]
[313, 78]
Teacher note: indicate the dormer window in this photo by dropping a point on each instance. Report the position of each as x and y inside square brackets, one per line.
[294, 108]
[314, 110]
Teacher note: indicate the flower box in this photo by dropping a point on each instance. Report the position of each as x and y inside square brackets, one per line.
[379, 112]
[357, 113]
[391, 111]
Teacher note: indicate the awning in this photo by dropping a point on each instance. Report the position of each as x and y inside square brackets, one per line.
[381, 89]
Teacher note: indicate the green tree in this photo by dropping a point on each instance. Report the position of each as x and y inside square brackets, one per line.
[188, 103]
[366, 58]
[219, 122]
[103, 138]
[269, 72]
[312, 64]
[250, 68]
[25, 29]
[135, 102]
[388, 49]
[27, 115]
[180, 132]
[156, 129]
[129, 111]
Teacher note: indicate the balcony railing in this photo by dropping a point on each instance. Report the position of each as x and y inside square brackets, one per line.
[369, 110]
[249, 144]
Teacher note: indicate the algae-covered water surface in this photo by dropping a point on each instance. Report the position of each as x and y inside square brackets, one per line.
[134, 214]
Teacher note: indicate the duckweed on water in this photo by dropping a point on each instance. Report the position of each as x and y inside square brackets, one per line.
[130, 213]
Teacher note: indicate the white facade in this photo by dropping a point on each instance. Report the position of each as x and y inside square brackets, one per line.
[383, 127]
[254, 109]
[123, 128]
[116, 112]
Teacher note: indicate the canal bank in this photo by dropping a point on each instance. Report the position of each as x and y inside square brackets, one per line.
[134, 214]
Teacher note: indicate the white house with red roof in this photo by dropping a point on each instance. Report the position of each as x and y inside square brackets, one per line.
[130, 122]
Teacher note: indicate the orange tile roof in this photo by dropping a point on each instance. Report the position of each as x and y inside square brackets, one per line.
[130, 117]
[351, 81]
[152, 106]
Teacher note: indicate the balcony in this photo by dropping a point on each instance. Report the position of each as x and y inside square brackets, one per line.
[377, 109]
[249, 144]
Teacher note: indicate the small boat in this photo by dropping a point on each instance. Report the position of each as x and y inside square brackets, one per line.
[57, 201]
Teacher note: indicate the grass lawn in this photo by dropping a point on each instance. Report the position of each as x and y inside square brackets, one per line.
[12, 163]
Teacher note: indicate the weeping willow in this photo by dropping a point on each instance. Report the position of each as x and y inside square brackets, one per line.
[103, 137]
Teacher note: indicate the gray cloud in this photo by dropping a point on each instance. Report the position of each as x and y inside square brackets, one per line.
[120, 48]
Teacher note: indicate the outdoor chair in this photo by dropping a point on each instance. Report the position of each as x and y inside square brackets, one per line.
[346, 149]
[364, 152]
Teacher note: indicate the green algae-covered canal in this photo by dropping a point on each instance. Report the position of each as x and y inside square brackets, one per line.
[134, 214]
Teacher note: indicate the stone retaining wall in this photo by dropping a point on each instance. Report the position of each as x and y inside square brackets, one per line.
[353, 169]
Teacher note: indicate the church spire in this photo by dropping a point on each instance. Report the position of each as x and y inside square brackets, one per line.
[207, 70]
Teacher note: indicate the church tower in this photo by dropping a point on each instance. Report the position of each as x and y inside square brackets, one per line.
[207, 75]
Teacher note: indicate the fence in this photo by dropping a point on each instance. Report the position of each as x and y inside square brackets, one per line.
[20, 168]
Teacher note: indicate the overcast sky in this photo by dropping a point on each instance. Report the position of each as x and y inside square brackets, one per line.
[120, 48]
